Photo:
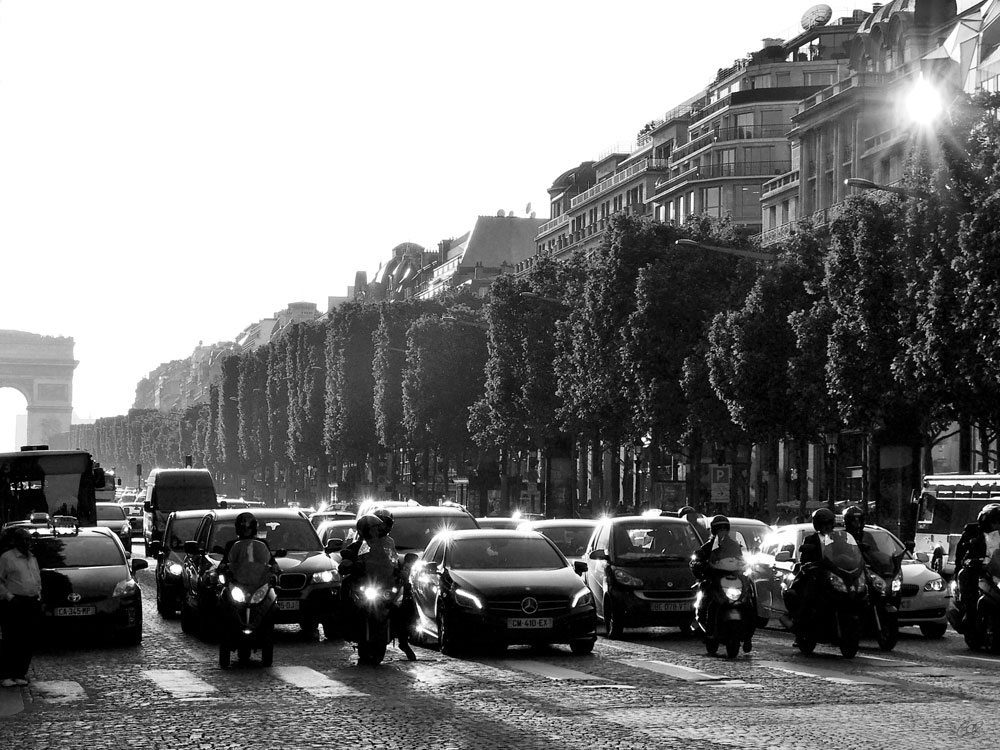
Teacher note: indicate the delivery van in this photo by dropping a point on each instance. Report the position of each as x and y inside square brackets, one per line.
[168, 490]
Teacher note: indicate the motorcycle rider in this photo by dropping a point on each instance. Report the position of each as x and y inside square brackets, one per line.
[811, 560]
[720, 545]
[977, 544]
[854, 523]
[400, 621]
[246, 528]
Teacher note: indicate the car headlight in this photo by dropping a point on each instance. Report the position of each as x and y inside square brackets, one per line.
[583, 598]
[259, 594]
[125, 588]
[175, 569]
[465, 599]
[897, 583]
[237, 594]
[324, 576]
[935, 584]
[625, 578]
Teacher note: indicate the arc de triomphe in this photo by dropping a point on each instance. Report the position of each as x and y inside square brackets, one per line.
[41, 368]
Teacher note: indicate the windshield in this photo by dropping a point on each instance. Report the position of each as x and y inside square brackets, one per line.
[77, 552]
[571, 540]
[110, 513]
[841, 549]
[650, 539]
[249, 562]
[505, 553]
[181, 530]
[880, 549]
[292, 534]
[414, 532]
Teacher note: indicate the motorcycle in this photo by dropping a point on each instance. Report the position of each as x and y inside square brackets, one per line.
[885, 586]
[246, 603]
[374, 592]
[725, 607]
[836, 593]
[985, 630]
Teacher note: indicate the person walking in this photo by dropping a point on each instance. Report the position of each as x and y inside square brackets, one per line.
[20, 610]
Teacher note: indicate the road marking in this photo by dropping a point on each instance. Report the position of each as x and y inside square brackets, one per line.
[429, 675]
[979, 658]
[676, 670]
[180, 683]
[829, 675]
[314, 683]
[59, 691]
[885, 661]
[543, 669]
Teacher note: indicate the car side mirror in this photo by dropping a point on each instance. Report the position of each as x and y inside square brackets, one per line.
[154, 548]
[580, 567]
[923, 557]
[139, 563]
[783, 556]
[598, 554]
[334, 545]
[431, 568]
[193, 548]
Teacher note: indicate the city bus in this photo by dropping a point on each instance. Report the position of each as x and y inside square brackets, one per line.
[946, 504]
[37, 480]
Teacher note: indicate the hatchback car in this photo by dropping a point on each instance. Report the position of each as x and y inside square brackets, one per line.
[134, 513]
[637, 568]
[169, 555]
[570, 535]
[112, 516]
[88, 584]
[309, 585]
[925, 595]
[495, 587]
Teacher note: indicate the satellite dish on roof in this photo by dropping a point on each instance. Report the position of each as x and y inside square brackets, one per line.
[501, 213]
[818, 15]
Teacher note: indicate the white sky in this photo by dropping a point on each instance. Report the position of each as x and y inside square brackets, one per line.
[173, 171]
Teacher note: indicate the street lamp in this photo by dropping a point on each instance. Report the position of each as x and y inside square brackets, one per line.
[832, 440]
[740, 253]
[863, 184]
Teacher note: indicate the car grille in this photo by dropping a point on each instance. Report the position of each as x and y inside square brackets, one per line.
[910, 589]
[513, 606]
[292, 581]
[669, 595]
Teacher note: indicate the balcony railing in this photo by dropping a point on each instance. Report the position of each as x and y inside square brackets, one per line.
[818, 218]
[552, 224]
[743, 169]
[617, 179]
[779, 182]
[695, 144]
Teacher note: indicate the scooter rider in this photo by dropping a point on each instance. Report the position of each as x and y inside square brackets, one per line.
[854, 523]
[978, 542]
[401, 615]
[246, 528]
[797, 598]
[704, 562]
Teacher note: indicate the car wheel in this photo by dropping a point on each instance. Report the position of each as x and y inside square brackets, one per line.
[711, 646]
[806, 646]
[309, 627]
[446, 639]
[188, 619]
[613, 625]
[582, 648]
[133, 637]
[165, 610]
[934, 629]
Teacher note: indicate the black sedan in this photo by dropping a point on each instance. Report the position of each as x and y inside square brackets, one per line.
[495, 588]
[169, 555]
[88, 585]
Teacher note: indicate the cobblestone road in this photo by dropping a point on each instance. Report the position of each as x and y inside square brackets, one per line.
[655, 688]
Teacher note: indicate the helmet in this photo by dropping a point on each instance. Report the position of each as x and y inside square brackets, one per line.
[822, 518]
[718, 523]
[386, 517]
[246, 525]
[854, 518]
[368, 525]
[989, 515]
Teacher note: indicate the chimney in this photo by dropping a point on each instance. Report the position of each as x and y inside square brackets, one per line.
[443, 247]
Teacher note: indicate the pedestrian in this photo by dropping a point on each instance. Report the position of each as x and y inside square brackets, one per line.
[20, 609]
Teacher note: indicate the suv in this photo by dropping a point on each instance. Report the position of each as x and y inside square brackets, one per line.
[415, 525]
[637, 568]
[309, 585]
[169, 555]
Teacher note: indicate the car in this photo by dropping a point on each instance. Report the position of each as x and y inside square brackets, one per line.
[499, 522]
[112, 516]
[570, 535]
[308, 587]
[89, 589]
[41, 519]
[134, 512]
[415, 525]
[637, 568]
[925, 594]
[169, 555]
[320, 517]
[495, 588]
[338, 528]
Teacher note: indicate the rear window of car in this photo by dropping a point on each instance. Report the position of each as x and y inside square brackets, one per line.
[503, 553]
[571, 540]
[77, 552]
[642, 540]
[753, 535]
[110, 513]
[415, 532]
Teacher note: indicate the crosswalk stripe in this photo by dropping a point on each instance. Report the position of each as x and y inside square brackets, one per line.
[58, 691]
[429, 675]
[828, 675]
[551, 671]
[180, 683]
[673, 670]
[314, 683]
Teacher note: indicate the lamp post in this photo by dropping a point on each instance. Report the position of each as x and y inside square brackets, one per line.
[863, 184]
[832, 440]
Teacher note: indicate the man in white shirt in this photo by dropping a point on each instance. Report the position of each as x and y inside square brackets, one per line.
[20, 610]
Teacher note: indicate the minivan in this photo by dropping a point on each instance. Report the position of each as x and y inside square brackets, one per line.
[175, 489]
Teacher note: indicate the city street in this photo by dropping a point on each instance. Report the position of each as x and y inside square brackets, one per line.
[655, 688]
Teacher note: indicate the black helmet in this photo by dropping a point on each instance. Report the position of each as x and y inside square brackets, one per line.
[823, 517]
[854, 518]
[989, 516]
[719, 522]
[368, 525]
[246, 525]
[386, 517]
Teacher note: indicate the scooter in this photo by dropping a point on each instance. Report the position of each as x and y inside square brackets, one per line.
[885, 586]
[373, 595]
[836, 594]
[246, 604]
[985, 630]
[725, 610]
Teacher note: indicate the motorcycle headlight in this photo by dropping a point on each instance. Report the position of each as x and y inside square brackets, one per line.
[733, 593]
[175, 569]
[237, 594]
[371, 593]
[221, 578]
[625, 578]
[465, 599]
[936, 584]
[125, 588]
[324, 576]
[877, 582]
[837, 582]
[583, 598]
[259, 594]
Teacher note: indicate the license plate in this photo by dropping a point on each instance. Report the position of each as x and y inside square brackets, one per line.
[525, 623]
[671, 606]
[288, 604]
[75, 611]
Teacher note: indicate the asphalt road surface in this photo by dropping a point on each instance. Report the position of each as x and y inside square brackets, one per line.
[656, 688]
